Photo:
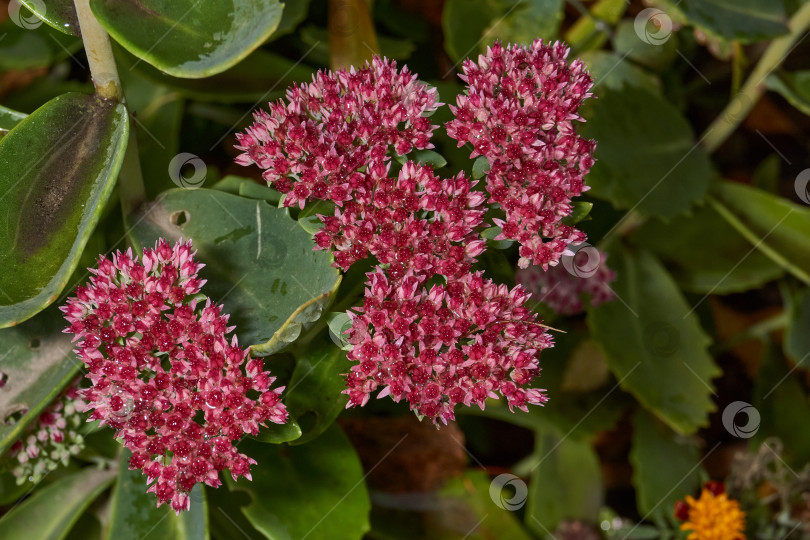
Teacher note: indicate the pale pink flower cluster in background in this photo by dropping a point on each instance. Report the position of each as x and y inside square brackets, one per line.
[430, 330]
[564, 291]
[518, 112]
[51, 439]
[164, 375]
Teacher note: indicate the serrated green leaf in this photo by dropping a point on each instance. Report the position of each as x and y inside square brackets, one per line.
[38, 362]
[653, 341]
[746, 21]
[134, 514]
[657, 487]
[189, 38]
[776, 226]
[314, 394]
[51, 511]
[259, 262]
[722, 262]
[49, 208]
[326, 473]
[647, 158]
[58, 14]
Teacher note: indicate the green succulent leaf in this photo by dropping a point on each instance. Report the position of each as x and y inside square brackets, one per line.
[57, 169]
[52, 510]
[189, 38]
[134, 514]
[259, 263]
[9, 118]
[58, 14]
[746, 21]
[653, 341]
[326, 473]
[793, 86]
[38, 362]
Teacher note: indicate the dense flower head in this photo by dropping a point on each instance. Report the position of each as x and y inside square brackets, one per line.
[310, 146]
[51, 439]
[518, 112]
[416, 220]
[457, 343]
[164, 375]
[564, 287]
[713, 516]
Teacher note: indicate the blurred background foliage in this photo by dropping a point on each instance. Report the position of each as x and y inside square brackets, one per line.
[701, 117]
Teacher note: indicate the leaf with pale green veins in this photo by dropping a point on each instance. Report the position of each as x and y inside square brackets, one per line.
[57, 169]
[259, 262]
[52, 510]
[325, 473]
[189, 38]
[38, 362]
[653, 341]
[134, 514]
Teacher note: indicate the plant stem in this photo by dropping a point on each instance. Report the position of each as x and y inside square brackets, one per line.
[742, 103]
[352, 39]
[99, 53]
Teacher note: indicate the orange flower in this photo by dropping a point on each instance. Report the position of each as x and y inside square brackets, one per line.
[713, 516]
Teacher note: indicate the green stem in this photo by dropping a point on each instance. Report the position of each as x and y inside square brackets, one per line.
[108, 86]
[352, 39]
[749, 235]
[742, 103]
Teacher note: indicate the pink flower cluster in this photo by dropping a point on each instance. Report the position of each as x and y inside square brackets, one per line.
[564, 286]
[164, 375]
[458, 343]
[415, 221]
[431, 331]
[51, 439]
[518, 112]
[314, 145]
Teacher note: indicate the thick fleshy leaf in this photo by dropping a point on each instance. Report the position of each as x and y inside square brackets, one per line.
[655, 54]
[57, 170]
[653, 341]
[280, 433]
[9, 118]
[572, 467]
[313, 394]
[647, 157]
[776, 226]
[51, 511]
[27, 46]
[38, 362]
[189, 38]
[722, 262]
[59, 14]
[464, 23]
[259, 263]
[657, 487]
[609, 70]
[529, 20]
[325, 473]
[746, 21]
[793, 86]
[134, 514]
[797, 336]
[261, 77]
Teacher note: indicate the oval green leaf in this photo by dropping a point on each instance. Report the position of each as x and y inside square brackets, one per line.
[134, 514]
[38, 362]
[57, 170]
[51, 511]
[653, 341]
[59, 14]
[9, 118]
[326, 473]
[259, 263]
[189, 38]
